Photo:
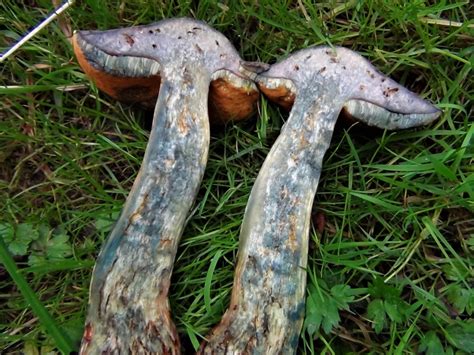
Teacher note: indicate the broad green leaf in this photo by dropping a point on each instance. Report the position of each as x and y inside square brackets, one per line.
[393, 311]
[312, 322]
[6, 232]
[461, 335]
[105, 223]
[459, 297]
[58, 247]
[376, 313]
[36, 260]
[470, 304]
[50, 246]
[330, 316]
[313, 316]
[322, 309]
[431, 344]
[44, 232]
[17, 247]
[25, 233]
[379, 289]
[455, 271]
[343, 296]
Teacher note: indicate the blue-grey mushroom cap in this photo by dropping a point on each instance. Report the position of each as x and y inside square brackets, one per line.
[359, 87]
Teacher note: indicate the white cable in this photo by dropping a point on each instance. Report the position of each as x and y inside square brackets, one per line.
[38, 28]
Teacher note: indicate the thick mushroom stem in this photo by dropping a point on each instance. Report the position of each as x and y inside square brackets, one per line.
[266, 311]
[129, 308]
[267, 304]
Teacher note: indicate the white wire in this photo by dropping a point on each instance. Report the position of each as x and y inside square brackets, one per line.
[38, 28]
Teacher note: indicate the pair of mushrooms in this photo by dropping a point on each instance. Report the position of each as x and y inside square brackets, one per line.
[192, 68]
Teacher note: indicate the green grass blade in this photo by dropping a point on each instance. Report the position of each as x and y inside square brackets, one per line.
[63, 343]
[207, 284]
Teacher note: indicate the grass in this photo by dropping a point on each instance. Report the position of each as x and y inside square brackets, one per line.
[391, 254]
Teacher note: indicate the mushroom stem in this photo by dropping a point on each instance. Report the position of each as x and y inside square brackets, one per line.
[267, 302]
[129, 309]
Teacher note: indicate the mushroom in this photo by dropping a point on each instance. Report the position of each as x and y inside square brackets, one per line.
[181, 59]
[267, 305]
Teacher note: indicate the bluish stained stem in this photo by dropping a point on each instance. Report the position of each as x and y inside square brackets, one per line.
[267, 305]
[129, 309]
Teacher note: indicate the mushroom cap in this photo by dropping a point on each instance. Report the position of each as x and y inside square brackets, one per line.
[127, 63]
[361, 90]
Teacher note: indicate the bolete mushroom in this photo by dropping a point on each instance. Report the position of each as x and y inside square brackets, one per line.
[267, 304]
[181, 59]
